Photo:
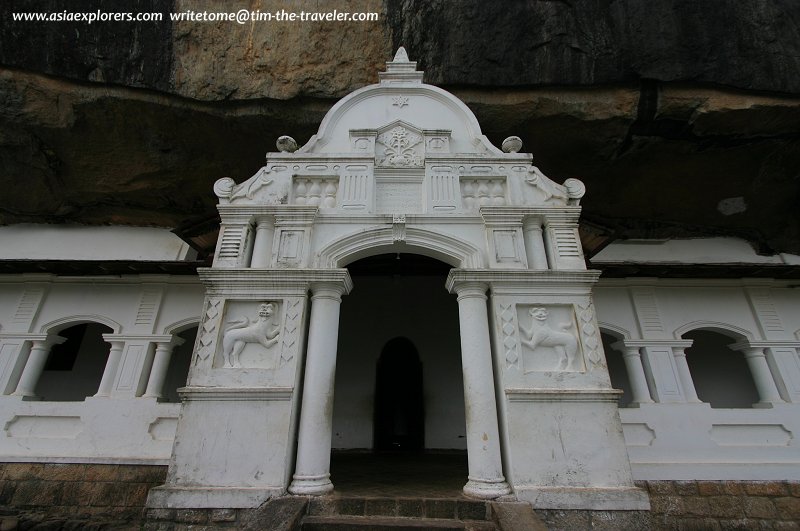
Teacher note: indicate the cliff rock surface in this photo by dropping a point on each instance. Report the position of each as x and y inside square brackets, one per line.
[682, 117]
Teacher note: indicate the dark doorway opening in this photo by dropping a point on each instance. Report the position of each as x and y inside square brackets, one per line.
[399, 412]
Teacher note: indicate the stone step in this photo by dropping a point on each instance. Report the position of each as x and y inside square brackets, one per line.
[383, 523]
[437, 508]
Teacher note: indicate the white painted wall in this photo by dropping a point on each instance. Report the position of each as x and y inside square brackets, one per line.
[78, 242]
[688, 251]
[124, 427]
[685, 440]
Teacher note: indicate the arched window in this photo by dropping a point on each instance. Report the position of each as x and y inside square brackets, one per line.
[75, 367]
[721, 375]
[617, 370]
[179, 364]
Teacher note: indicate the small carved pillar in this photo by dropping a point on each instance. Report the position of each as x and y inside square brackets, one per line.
[534, 243]
[312, 471]
[110, 372]
[685, 376]
[40, 349]
[638, 380]
[483, 438]
[158, 373]
[762, 376]
[262, 247]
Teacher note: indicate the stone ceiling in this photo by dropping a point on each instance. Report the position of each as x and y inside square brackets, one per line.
[682, 117]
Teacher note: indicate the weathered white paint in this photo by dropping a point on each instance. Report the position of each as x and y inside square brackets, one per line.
[79, 242]
[689, 251]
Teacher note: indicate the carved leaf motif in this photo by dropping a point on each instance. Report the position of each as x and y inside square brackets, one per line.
[291, 325]
[209, 328]
[399, 148]
[507, 317]
[589, 331]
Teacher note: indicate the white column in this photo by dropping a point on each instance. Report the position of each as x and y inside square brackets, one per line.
[534, 244]
[685, 376]
[483, 438]
[638, 380]
[762, 376]
[262, 246]
[110, 372]
[158, 373]
[40, 350]
[312, 471]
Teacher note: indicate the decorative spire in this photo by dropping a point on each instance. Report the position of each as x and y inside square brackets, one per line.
[401, 70]
[401, 56]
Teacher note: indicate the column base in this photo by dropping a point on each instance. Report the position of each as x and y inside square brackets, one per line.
[311, 485]
[486, 489]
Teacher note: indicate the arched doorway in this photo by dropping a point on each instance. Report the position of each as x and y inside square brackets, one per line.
[398, 400]
[399, 408]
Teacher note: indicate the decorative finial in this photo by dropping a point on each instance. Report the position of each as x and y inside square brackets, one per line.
[401, 69]
[286, 144]
[512, 144]
[401, 56]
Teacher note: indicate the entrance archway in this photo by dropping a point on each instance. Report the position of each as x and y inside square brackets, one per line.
[399, 407]
[399, 399]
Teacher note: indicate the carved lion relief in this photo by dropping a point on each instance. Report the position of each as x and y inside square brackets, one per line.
[550, 340]
[260, 332]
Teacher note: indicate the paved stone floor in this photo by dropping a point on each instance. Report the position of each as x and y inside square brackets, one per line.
[428, 475]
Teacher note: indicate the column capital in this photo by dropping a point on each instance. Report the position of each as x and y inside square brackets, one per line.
[331, 289]
[47, 341]
[171, 343]
[671, 343]
[627, 350]
[469, 288]
[748, 349]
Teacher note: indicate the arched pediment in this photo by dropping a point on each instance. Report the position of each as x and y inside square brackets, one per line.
[65, 322]
[399, 95]
[377, 240]
[713, 326]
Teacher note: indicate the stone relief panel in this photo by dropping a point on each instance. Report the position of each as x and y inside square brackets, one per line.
[483, 191]
[250, 334]
[549, 339]
[400, 147]
[315, 191]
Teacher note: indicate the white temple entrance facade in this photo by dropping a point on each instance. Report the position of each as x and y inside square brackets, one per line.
[399, 167]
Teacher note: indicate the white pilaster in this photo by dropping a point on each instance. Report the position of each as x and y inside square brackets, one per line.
[685, 376]
[312, 471]
[262, 247]
[534, 243]
[759, 369]
[158, 373]
[636, 375]
[483, 438]
[40, 350]
[110, 372]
